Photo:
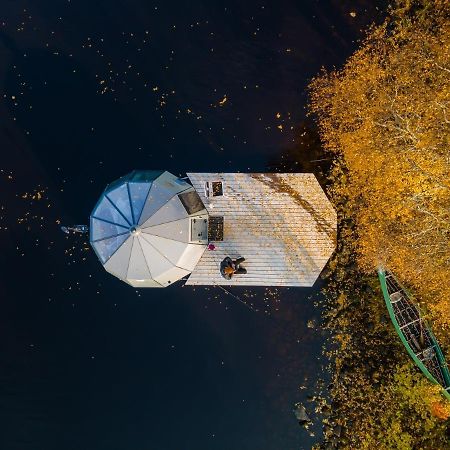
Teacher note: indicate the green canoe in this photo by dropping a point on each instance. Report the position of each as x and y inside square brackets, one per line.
[414, 332]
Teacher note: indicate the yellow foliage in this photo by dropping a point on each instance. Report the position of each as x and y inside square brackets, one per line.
[386, 117]
[440, 410]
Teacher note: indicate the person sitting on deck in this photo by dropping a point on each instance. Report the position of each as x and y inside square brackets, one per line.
[228, 267]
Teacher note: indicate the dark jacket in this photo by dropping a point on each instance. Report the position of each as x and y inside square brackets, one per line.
[227, 262]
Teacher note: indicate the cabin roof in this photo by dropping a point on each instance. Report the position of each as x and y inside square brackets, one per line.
[282, 224]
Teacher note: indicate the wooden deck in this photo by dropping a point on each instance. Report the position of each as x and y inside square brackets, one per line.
[283, 224]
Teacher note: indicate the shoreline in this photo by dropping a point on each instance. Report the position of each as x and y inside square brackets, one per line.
[372, 376]
[382, 118]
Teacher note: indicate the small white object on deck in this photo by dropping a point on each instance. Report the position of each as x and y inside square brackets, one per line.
[281, 223]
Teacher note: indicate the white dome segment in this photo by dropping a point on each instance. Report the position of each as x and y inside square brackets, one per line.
[149, 228]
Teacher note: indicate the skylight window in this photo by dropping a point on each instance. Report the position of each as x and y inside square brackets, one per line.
[214, 189]
[191, 202]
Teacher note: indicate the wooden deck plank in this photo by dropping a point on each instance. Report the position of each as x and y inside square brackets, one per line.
[283, 224]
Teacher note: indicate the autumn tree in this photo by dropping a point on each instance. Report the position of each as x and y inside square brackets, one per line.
[385, 116]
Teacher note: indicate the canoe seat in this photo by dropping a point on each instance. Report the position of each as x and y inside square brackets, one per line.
[396, 296]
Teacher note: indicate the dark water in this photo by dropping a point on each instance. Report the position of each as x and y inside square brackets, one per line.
[91, 90]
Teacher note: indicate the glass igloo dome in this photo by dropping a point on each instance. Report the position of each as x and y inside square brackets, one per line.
[149, 228]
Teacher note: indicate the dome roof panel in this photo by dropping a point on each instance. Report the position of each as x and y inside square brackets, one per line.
[162, 190]
[170, 249]
[138, 196]
[156, 261]
[178, 230]
[138, 268]
[169, 212]
[191, 256]
[107, 247]
[171, 275]
[103, 230]
[121, 200]
[105, 210]
[119, 261]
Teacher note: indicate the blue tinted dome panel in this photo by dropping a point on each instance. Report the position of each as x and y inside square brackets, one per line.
[119, 182]
[163, 189]
[138, 196]
[121, 200]
[145, 176]
[102, 230]
[107, 247]
[105, 210]
[137, 176]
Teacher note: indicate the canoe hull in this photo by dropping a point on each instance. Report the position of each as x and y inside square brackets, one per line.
[414, 332]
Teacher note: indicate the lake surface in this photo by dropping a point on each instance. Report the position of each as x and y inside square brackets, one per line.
[91, 91]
